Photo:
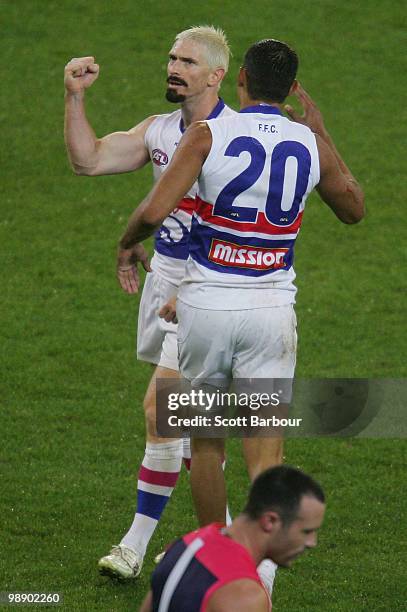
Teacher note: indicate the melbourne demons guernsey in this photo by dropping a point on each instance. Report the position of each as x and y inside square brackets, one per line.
[195, 567]
[249, 208]
[172, 239]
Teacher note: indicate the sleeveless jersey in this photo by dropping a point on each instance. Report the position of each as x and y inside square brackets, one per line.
[172, 239]
[195, 567]
[249, 208]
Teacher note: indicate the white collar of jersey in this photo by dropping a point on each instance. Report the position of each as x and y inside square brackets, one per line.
[215, 112]
[264, 109]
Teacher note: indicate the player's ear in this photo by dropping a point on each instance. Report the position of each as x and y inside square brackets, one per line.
[269, 521]
[293, 87]
[216, 77]
[241, 77]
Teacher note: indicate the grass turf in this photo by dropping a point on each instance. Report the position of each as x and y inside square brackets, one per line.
[72, 426]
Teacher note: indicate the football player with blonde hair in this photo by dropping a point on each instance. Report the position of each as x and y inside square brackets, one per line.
[215, 42]
[197, 64]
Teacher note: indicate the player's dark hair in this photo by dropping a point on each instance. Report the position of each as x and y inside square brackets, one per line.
[271, 67]
[281, 489]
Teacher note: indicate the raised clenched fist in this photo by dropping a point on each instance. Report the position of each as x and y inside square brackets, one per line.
[80, 73]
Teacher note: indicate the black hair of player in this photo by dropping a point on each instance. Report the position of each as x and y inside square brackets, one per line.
[281, 490]
[271, 67]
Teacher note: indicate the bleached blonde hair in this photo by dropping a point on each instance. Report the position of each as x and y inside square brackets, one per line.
[215, 42]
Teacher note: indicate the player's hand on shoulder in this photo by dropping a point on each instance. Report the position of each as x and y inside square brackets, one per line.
[312, 116]
[127, 272]
[168, 311]
[80, 73]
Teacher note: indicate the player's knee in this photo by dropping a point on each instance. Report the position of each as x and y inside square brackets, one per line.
[208, 446]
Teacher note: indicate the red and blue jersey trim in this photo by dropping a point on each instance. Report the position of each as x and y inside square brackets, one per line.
[261, 225]
[265, 109]
[172, 243]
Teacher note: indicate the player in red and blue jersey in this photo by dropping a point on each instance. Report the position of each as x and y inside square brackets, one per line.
[213, 569]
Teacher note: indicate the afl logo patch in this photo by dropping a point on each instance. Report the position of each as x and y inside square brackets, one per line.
[159, 157]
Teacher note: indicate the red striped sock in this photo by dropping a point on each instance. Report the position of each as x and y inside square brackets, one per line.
[157, 478]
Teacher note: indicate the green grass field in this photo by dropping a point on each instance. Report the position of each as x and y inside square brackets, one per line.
[71, 390]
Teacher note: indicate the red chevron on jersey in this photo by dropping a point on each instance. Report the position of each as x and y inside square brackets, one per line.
[187, 205]
[256, 258]
[261, 225]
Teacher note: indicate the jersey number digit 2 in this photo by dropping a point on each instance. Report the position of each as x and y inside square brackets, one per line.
[282, 201]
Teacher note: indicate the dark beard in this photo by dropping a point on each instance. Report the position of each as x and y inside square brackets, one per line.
[172, 96]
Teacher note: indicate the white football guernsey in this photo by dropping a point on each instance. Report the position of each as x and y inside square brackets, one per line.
[172, 239]
[249, 207]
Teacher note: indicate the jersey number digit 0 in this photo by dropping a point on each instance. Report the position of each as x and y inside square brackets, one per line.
[283, 199]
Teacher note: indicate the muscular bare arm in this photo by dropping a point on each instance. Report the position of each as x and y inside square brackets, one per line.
[115, 153]
[338, 187]
[173, 184]
[239, 596]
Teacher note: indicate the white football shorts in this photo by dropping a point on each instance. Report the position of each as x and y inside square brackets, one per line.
[156, 339]
[230, 344]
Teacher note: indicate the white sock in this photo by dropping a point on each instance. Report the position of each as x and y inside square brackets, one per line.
[157, 478]
[186, 448]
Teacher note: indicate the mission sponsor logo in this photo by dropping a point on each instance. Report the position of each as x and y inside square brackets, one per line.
[159, 157]
[241, 256]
